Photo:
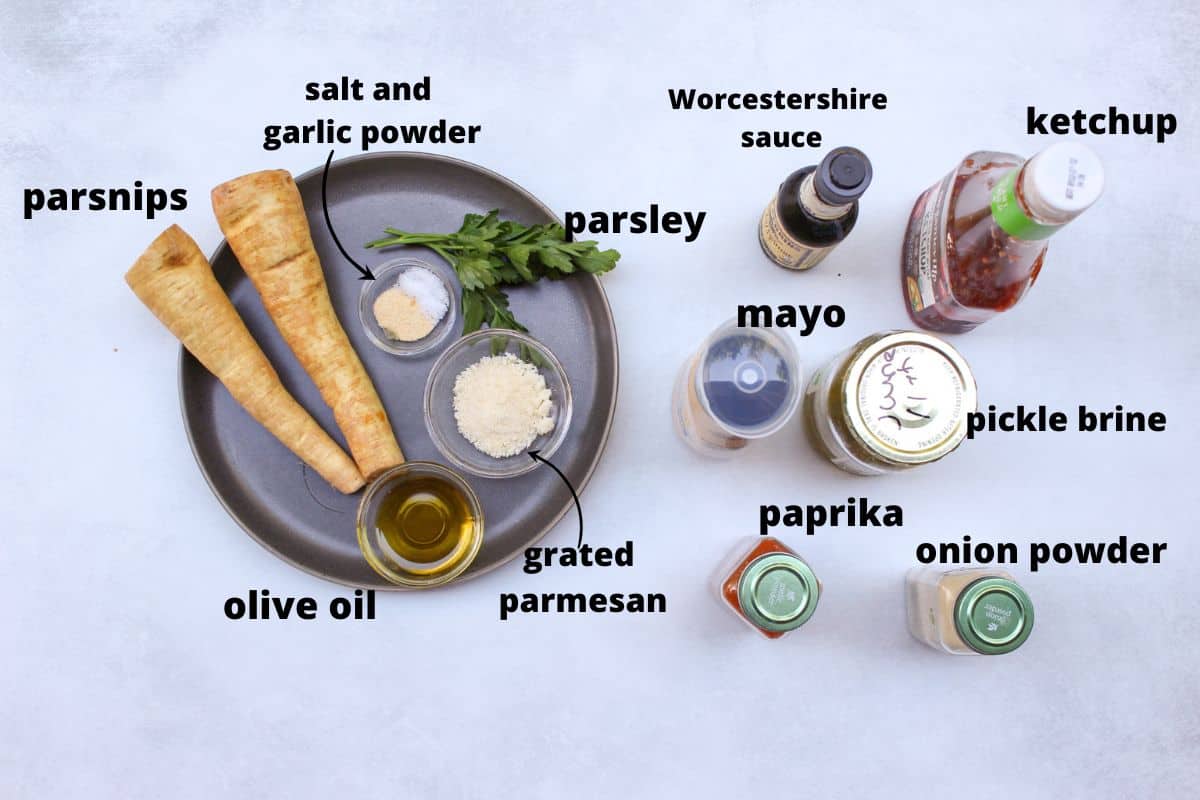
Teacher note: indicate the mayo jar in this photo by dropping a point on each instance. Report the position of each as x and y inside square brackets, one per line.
[742, 384]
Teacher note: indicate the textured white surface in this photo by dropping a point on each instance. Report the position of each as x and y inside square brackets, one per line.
[119, 675]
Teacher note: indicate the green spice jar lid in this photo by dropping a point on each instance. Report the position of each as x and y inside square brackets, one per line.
[778, 592]
[993, 616]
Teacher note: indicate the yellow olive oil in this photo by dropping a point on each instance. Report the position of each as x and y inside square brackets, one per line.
[427, 524]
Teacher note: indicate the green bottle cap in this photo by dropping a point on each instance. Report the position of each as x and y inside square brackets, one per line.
[778, 592]
[993, 616]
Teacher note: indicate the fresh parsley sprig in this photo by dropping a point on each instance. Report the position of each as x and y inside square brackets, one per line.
[488, 253]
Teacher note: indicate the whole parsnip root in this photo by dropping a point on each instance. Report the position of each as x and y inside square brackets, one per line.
[262, 216]
[175, 281]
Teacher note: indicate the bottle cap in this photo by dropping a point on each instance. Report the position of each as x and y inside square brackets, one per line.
[748, 380]
[1061, 182]
[993, 616]
[778, 592]
[842, 176]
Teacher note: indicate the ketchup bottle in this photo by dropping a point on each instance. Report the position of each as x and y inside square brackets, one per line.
[976, 240]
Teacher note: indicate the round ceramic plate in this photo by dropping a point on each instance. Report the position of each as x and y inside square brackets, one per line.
[289, 508]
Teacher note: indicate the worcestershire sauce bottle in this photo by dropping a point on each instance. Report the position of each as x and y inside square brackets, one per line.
[814, 209]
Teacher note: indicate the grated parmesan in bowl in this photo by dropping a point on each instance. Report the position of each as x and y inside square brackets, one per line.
[501, 404]
[494, 396]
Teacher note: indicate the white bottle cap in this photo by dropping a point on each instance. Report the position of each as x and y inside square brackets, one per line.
[1062, 181]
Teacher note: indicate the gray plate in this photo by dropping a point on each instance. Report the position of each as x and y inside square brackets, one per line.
[289, 509]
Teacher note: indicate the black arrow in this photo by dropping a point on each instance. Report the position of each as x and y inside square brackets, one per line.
[578, 509]
[364, 273]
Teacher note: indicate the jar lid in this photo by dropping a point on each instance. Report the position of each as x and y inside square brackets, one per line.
[993, 616]
[907, 396]
[778, 592]
[749, 380]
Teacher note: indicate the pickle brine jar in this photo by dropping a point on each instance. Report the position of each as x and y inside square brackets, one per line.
[971, 611]
[893, 401]
[742, 384]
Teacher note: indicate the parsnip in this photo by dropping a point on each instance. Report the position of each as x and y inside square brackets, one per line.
[175, 281]
[262, 216]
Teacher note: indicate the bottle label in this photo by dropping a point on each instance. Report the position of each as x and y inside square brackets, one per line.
[821, 425]
[1008, 214]
[693, 423]
[781, 247]
[924, 258]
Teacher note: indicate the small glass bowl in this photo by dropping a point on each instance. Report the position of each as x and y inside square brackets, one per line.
[385, 278]
[383, 558]
[439, 402]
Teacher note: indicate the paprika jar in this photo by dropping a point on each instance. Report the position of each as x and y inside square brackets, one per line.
[768, 586]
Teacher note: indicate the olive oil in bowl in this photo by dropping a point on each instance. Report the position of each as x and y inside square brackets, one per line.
[420, 525]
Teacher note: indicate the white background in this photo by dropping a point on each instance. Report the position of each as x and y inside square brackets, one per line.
[121, 677]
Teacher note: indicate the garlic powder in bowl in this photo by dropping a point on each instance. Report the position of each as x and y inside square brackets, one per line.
[409, 307]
